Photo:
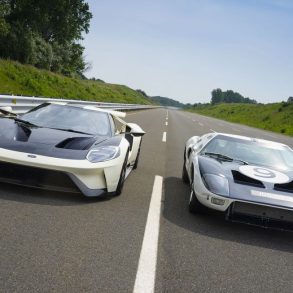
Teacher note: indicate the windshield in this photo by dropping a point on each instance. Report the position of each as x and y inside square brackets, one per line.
[252, 152]
[69, 118]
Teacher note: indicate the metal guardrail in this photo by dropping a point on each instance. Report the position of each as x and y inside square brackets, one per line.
[21, 104]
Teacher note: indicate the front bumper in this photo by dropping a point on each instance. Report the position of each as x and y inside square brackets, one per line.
[249, 212]
[260, 215]
[92, 179]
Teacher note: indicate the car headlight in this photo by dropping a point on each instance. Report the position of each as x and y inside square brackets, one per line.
[103, 154]
[216, 184]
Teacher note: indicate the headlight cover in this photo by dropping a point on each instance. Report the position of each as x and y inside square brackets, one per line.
[217, 184]
[102, 154]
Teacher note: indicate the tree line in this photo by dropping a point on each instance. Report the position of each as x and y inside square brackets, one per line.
[45, 33]
[229, 96]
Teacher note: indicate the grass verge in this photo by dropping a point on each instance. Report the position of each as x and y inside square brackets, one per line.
[18, 79]
[277, 117]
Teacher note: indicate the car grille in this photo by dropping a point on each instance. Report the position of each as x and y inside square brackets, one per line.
[36, 177]
[286, 187]
[259, 215]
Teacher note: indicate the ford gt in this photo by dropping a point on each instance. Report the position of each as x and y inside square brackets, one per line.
[70, 148]
[250, 180]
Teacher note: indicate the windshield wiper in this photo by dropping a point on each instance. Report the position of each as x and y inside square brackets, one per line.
[7, 113]
[71, 130]
[24, 122]
[223, 157]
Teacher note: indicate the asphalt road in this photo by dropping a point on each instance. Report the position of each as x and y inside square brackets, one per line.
[55, 242]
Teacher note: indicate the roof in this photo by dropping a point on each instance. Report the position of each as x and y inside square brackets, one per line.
[94, 108]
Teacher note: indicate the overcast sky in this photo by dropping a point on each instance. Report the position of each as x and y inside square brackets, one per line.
[183, 49]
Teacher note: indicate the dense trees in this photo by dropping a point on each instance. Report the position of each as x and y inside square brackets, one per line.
[44, 33]
[219, 96]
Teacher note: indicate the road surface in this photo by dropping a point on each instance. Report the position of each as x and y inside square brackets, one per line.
[55, 242]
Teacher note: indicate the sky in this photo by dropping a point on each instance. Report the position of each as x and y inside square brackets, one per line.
[183, 49]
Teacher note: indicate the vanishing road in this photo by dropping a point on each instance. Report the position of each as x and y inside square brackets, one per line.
[144, 240]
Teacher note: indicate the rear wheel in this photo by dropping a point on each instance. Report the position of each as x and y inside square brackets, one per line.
[122, 177]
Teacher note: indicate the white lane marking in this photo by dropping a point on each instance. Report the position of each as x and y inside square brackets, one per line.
[146, 271]
[164, 139]
[235, 129]
[131, 113]
[212, 130]
[166, 118]
[166, 123]
[200, 124]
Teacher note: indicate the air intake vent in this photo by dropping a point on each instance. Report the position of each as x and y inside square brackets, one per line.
[239, 178]
[286, 187]
[76, 143]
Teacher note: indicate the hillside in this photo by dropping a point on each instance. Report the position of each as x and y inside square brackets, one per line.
[163, 101]
[27, 80]
[277, 117]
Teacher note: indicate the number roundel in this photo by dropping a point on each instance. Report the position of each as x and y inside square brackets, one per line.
[264, 174]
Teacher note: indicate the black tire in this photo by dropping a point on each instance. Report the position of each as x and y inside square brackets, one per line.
[195, 207]
[137, 157]
[122, 177]
[184, 172]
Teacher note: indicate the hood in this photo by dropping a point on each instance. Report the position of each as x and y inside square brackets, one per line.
[45, 141]
[251, 182]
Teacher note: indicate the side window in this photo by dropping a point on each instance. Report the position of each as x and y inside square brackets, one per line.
[118, 127]
[113, 127]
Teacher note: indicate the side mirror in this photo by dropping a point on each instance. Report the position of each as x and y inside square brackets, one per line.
[134, 130]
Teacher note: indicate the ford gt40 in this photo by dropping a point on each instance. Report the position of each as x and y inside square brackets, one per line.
[249, 179]
[70, 148]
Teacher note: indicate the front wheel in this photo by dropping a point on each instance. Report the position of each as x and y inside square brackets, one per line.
[195, 206]
[184, 174]
[137, 157]
[122, 177]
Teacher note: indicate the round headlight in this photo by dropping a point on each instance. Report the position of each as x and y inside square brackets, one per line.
[103, 154]
[217, 184]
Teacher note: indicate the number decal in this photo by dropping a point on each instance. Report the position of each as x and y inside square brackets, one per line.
[264, 174]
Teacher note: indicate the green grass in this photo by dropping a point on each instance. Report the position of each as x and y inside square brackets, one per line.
[18, 79]
[277, 117]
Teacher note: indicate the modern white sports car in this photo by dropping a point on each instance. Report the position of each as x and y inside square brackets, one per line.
[70, 148]
[249, 179]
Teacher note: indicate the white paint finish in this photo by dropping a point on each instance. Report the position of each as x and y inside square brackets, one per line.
[146, 272]
[164, 139]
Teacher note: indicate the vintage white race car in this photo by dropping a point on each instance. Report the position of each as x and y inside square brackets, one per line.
[70, 148]
[251, 180]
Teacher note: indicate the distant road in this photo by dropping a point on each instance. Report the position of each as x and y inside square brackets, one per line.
[54, 242]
